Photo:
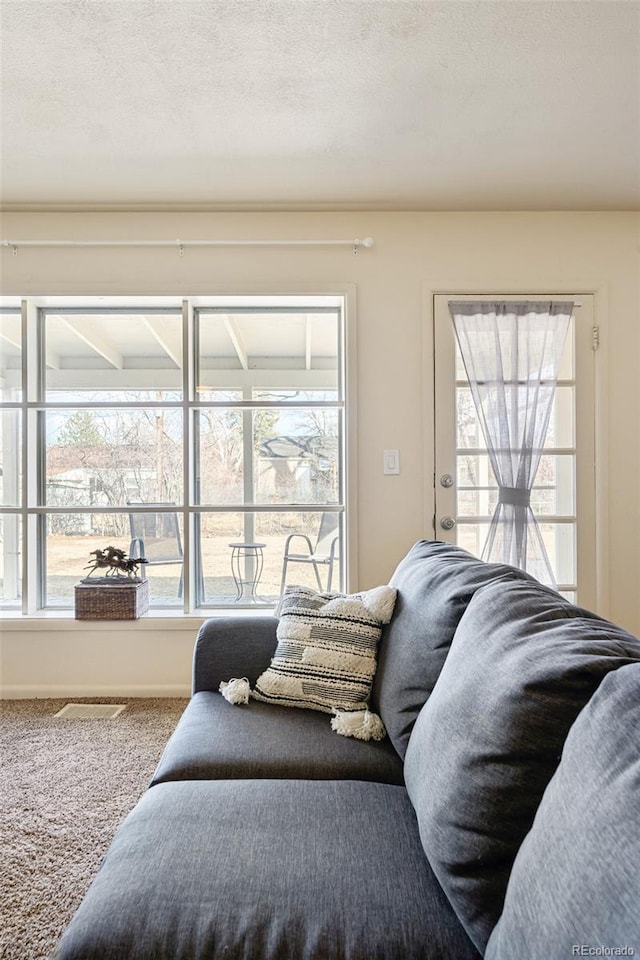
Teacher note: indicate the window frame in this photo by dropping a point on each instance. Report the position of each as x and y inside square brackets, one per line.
[33, 509]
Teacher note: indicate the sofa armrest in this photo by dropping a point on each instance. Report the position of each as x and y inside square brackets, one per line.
[229, 647]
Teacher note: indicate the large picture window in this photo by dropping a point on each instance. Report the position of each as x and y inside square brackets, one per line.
[208, 435]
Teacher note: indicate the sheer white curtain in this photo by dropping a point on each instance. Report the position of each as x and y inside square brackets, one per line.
[511, 353]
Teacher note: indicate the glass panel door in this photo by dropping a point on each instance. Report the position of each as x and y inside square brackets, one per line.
[563, 494]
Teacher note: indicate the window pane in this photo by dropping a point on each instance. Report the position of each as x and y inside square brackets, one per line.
[472, 536]
[560, 543]
[558, 539]
[553, 492]
[10, 560]
[476, 503]
[237, 585]
[110, 457]
[10, 457]
[292, 455]
[10, 356]
[566, 369]
[297, 456]
[71, 537]
[280, 353]
[561, 432]
[468, 430]
[220, 455]
[113, 356]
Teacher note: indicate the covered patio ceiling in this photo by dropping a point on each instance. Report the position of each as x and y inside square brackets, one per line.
[134, 350]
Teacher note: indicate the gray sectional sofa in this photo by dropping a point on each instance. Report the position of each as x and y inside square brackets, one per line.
[499, 817]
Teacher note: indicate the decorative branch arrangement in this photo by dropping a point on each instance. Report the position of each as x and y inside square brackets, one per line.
[115, 562]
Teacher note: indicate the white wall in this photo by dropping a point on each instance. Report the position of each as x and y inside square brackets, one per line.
[70, 658]
[413, 254]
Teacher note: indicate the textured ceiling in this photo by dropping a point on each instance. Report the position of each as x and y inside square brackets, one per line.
[311, 104]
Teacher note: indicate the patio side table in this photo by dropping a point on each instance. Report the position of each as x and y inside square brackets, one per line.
[247, 560]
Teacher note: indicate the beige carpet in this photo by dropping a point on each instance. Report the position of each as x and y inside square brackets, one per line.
[65, 786]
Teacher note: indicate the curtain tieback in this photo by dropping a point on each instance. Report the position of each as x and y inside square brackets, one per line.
[515, 496]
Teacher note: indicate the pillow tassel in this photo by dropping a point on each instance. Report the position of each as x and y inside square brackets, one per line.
[235, 690]
[361, 724]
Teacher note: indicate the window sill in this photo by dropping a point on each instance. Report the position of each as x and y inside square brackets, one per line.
[153, 620]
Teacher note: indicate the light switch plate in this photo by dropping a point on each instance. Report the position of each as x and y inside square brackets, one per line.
[391, 462]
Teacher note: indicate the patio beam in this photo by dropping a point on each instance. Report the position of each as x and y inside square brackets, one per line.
[173, 351]
[236, 339]
[96, 343]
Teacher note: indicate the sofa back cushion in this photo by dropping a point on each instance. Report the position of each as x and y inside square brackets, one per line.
[435, 582]
[576, 879]
[522, 665]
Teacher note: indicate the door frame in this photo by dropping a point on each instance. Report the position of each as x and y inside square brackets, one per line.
[484, 290]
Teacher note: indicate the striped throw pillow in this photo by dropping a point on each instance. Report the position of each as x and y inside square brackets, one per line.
[327, 647]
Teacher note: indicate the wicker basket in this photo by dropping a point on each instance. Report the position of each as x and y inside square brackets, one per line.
[111, 599]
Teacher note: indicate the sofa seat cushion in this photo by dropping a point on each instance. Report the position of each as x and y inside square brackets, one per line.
[576, 879]
[267, 870]
[217, 740]
[522, 666]
[435, 582]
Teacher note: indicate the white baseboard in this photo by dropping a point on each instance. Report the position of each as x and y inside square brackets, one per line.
[43, 691]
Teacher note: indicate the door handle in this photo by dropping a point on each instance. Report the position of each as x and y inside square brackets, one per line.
[447, 523]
